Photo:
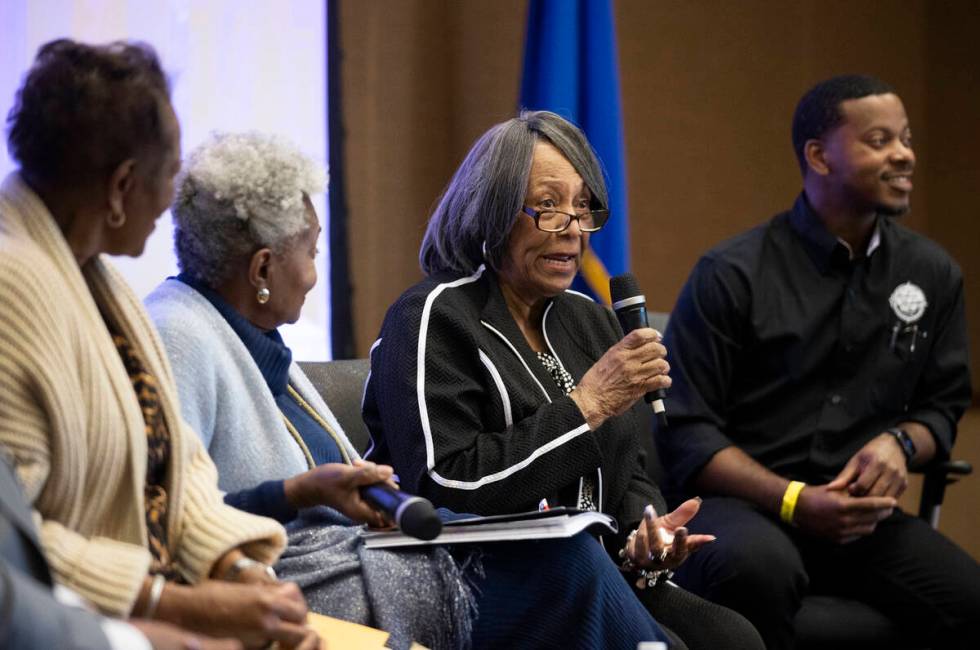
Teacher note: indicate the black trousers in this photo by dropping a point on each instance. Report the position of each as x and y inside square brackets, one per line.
[693, 623]
[762, 568]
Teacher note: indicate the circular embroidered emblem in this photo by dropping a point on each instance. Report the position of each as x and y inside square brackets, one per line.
[908, 302]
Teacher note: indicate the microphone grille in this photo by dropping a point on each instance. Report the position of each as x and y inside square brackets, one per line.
[623, 286]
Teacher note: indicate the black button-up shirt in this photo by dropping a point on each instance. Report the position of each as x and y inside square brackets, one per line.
[783, 345]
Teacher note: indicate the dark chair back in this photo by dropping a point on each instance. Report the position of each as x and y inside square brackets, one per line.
[341, 384]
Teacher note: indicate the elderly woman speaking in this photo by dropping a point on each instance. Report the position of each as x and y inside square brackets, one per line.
[131, 516]
[493, 387]
[246, 238]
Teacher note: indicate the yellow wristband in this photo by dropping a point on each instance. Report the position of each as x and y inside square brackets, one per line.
[790, 497]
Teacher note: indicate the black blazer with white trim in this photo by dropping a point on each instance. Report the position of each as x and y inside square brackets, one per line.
[463, 409]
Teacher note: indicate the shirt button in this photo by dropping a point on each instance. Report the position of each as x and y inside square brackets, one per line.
[836, 399]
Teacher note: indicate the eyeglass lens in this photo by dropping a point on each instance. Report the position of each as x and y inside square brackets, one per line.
[557, 221]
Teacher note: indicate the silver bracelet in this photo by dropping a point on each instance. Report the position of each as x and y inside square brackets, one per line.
[624, 556]
[652, 577]
[153, 600]
[244, 563]
[644, 577]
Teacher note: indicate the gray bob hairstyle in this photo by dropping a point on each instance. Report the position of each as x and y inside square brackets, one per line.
[473, 219]
[239, 192]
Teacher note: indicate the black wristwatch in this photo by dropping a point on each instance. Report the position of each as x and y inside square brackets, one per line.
[905, 442]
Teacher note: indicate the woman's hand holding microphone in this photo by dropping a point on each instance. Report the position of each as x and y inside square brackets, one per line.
[627, 371]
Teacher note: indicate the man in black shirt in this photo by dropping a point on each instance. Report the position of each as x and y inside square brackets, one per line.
[814, 359]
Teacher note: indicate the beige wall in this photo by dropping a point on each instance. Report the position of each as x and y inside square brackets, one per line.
[952, 168]
[421, 80]
[708, 92]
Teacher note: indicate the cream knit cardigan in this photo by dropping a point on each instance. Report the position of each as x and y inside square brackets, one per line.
[72, 426]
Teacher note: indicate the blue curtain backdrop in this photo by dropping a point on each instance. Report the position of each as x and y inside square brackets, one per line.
[571, 68]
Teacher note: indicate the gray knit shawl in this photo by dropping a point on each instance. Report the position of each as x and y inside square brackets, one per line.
[419, 594]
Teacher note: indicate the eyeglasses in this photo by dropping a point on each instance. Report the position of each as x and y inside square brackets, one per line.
[556, 221]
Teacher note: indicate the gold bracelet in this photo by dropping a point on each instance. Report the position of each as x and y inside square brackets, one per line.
[790, 497]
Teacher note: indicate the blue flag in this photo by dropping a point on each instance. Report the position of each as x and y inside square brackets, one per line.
[571, 68]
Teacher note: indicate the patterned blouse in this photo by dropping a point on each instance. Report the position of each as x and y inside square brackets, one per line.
[158, 451]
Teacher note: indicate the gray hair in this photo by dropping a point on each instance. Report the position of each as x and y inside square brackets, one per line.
[473, 219]
[236, 193]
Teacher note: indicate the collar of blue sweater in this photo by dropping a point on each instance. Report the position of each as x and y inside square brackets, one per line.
[267, 348]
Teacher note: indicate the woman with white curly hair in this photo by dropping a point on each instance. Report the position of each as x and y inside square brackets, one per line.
[246, 236]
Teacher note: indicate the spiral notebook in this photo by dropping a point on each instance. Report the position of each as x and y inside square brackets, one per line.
[545, 524]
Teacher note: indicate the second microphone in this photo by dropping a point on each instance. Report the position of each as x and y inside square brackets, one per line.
[414, 515]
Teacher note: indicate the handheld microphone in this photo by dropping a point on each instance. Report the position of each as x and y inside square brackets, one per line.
[631, 309]
[414, 515]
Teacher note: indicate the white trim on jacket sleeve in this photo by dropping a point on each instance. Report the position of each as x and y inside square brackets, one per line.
[504, 397]
[519, 357]
[420, 370]
[547, 340]
[580, 294]
[424, 413]
[504, 473]
[367, 380]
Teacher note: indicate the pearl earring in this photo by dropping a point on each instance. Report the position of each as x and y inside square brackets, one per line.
[116, 219]
[263, 295]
